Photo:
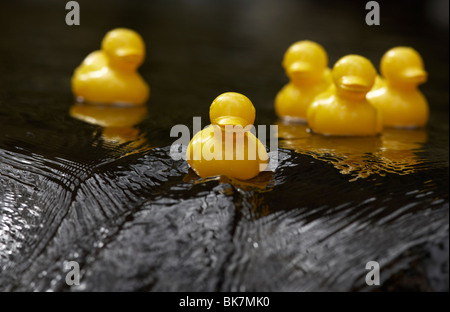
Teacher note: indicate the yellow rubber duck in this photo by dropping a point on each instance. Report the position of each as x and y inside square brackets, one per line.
[109, 75]
[227, 147]
[305, 63]
[346, 111]
[379, 83]
[399, 100]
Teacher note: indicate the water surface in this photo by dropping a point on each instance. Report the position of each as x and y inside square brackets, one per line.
[108, 195]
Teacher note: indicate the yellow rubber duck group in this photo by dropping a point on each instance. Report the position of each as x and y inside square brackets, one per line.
[348, 100]
[355, 101]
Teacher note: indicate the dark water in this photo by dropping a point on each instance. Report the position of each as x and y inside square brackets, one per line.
[112, 198]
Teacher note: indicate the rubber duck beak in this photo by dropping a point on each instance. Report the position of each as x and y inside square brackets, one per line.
[354, 84]
[231, 120]
[414, 75]
[130, 55]
[300, 70]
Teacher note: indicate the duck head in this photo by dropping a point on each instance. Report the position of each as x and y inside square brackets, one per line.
[232, 108]
[124, 48]
[403, 66]
[353, 75]
[305, 61]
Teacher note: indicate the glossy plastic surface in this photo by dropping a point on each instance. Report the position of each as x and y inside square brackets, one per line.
[344, 110]
[109, 75]
[399, 100]
[227, 147]
[305, 63]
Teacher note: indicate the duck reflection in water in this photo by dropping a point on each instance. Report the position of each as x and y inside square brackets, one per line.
[263, 182]
[118, 124]
[401, 148]
[394, 151]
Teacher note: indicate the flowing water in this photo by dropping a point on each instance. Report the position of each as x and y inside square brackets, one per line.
[78, 183]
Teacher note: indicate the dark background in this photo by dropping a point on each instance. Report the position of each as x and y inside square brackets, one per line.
[136, 220]
[197, 50]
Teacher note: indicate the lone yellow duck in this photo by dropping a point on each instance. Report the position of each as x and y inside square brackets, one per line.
[227, 147]
[109, 75]
[305, 63]
[344, 110]
[399, 100]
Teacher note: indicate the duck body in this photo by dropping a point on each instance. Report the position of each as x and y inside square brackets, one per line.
[305, 63]
[227, 147]
[226, 162]
[399, 108]
[343, 109]
[379, 83]
[399, 99]
[293, 100]
[96, 82]
[343, 117]
[109, 76]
